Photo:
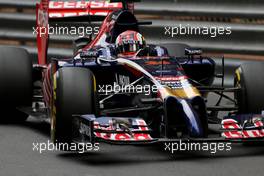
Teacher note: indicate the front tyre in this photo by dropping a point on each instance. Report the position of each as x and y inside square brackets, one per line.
[74, 93]
[16, 85]
[249, 78]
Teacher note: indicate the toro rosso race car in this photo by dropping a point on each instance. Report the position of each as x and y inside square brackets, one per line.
[118, 88]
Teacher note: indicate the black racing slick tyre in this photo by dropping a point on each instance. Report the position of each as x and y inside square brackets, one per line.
[249, 78]
[74, 94]
[16, 84]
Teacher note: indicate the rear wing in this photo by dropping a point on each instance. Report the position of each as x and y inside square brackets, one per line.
[60, 10]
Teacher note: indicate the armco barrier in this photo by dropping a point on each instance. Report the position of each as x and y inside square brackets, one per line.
[246, 23]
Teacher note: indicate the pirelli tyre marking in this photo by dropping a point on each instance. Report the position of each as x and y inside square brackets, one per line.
[53, 108]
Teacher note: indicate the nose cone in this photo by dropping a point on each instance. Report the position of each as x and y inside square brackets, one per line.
[181, 108]
[192, 119]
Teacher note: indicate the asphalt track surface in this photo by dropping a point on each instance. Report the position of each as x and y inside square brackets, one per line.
[18, 158]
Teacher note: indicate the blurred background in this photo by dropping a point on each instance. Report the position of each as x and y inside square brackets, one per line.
[245, 17]
[245, 44]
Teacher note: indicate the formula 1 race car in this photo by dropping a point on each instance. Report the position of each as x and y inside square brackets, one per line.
[118, 89]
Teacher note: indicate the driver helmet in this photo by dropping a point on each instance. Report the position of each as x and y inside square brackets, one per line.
[129, 43]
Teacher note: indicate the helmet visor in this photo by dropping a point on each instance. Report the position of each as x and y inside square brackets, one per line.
[129, 47]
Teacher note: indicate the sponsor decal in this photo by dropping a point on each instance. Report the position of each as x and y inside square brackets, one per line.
[59, 9]
[124, 136]
[82, 4]
[175, 82]
[236, 131]
[140, 128]
[122, 79]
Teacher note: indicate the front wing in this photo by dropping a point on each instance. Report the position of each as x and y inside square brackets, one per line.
[118, 130]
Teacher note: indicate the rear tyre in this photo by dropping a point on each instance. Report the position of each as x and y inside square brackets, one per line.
[74, 94]
[15, 83]
[250, 78]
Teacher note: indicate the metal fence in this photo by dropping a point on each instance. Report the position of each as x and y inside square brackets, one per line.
[246, 22]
